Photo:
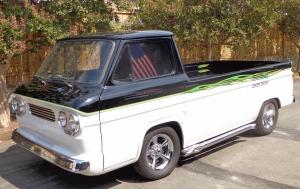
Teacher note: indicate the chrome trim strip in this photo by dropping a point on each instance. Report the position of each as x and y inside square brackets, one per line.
[197, 148]
[67, 163]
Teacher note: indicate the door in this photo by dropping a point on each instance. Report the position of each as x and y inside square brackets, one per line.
[135, 96]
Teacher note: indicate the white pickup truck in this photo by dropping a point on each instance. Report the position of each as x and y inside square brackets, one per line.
[103, 101]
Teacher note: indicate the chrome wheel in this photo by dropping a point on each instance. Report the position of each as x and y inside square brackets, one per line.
[159, 151]
[269, 116]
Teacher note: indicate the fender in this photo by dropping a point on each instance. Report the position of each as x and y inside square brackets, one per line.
[177, 118]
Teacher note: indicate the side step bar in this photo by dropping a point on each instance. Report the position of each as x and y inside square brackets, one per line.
[196, 148]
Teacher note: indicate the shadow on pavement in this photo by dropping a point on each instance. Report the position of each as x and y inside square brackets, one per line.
[23, 170]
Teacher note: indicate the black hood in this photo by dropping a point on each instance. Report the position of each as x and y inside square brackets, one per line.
[78, 96]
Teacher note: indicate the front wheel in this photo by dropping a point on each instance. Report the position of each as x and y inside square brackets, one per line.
[159, 155]
[267, 118]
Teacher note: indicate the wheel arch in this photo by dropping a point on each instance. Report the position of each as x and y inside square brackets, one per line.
[174, 125]
[276, 99]
[278, 102]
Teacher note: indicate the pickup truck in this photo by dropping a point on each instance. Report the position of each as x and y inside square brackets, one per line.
[100, 102]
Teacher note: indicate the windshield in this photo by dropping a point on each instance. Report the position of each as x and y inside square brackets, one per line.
[76, 61]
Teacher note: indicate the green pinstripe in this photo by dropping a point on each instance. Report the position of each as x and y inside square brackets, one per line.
[234, 79]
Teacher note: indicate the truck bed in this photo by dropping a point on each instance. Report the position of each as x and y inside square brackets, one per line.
[211, 69]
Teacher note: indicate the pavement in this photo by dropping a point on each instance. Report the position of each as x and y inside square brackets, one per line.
[244, 161]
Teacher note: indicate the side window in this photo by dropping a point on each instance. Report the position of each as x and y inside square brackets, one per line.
[144, 60]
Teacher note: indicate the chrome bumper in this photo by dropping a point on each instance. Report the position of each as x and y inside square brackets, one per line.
[67, 163]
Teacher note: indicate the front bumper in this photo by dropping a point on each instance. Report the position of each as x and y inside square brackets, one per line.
[67, 163]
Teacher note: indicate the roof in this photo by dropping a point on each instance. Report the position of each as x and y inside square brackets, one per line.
[122, 35]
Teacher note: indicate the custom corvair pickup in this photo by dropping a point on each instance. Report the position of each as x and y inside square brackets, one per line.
[103, 101]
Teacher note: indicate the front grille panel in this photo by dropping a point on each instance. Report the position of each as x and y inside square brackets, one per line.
[42, 112]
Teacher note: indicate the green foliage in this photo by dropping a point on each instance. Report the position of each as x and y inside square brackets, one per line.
[78, 16]
[290, 24]
[124, 5]
[210, 22]
[11, 31]
[46, 22]
[290, 20]
[231, 21]
[215, 21]
[160, 14]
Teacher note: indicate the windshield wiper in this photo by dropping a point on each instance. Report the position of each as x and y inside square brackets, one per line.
[42, 80]
[63, 79]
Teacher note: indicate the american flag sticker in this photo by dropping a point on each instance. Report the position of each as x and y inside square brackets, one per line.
[142, 66]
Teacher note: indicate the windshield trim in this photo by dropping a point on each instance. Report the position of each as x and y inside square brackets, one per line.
[102, 74]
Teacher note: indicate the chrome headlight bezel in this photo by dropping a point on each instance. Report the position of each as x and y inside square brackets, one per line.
[73, 125]
[14, 105]
[69, 122]
[62, 119]
[21, 108]
[17, 106]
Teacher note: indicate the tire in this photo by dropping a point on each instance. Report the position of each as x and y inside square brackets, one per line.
[267, 118]
[158, 158]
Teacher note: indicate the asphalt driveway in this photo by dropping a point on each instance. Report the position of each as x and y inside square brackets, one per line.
[245, 161]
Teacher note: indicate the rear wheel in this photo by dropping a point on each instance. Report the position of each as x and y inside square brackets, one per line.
[159, 155]
[267, 118]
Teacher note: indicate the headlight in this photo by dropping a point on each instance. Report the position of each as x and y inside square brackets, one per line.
[73, 125]
[21, 110]
[17, 105]
[14, 105]
[69, 122]
[62, 119]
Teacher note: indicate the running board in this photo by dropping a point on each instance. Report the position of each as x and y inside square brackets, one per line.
[196, 148]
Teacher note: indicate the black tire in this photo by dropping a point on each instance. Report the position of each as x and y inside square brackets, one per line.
[143, 167]
[263, 127]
